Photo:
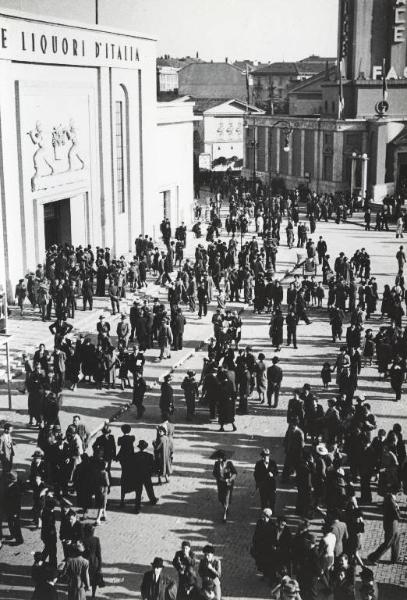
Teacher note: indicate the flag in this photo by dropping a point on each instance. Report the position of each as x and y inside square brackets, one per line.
[341, 103]
[384, 82]
[345, 26]
[247, 85]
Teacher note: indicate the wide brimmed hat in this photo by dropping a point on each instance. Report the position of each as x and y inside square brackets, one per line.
[157, 563]
[220, 453]
[290, 588]
[265, 452]
[38, 454]
[321, 449]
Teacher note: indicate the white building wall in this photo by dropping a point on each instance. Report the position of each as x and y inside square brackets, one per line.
[41, 90]
[175, 160]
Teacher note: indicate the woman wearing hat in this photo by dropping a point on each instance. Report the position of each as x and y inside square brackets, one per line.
[225, 474]
[105, 446]
[162, 455]
[226, 402]
[191, 393]
[261, 377]
[76, 571]
[125, 457]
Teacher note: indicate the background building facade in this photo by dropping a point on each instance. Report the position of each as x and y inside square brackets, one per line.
[357, 139]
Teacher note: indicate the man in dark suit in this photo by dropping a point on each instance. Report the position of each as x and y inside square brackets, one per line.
[321, 249]
[291, 320]
[274, 379]
[114, 295]
[87, 293]
[202, 293]
[265, 475]
[177, 325]
[391, 519]
[156, 585]
[143, 469]
[139, 389]
[59, 330]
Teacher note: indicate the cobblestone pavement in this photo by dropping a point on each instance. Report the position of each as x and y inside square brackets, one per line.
[188, 507]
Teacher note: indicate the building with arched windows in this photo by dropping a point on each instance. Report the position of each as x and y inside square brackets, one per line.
[86, 155]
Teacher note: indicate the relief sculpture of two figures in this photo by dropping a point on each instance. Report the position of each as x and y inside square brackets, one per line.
[60, 137]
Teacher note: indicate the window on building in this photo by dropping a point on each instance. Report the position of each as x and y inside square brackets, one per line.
[327, 168]
[120, 161]
[333, 106]
[326, 105]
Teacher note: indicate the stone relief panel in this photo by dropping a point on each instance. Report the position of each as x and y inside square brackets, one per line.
[55, 140]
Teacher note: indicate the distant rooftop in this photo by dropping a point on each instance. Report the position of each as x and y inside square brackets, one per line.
[308, 66]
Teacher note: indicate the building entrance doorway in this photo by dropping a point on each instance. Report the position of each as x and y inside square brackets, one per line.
[402, 169]
[57, 222]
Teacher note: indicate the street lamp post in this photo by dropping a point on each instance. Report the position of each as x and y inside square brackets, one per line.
[287, 130]
[364, 159]
[352, 173]
[254, 144]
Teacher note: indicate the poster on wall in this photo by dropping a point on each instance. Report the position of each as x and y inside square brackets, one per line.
[205, 161]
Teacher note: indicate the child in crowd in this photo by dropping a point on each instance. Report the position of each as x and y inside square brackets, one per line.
[320, 294]
[326, 375]
[368, 350]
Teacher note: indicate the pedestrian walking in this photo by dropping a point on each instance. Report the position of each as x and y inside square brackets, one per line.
[225, 474]
[274, 379]
[265, 476]
[156, 584]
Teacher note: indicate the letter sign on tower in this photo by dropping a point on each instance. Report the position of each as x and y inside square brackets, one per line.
[399, 27]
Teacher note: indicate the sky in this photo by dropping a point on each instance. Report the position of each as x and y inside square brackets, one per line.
[265, 30]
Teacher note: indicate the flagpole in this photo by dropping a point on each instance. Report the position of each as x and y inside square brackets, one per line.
[384, 82]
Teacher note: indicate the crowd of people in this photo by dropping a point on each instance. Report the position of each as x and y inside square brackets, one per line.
[330, 452]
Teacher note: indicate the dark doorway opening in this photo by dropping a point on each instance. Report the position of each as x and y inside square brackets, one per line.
[402, 169]
[57, 222]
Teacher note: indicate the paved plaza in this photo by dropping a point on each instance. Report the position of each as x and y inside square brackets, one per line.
[188, 506]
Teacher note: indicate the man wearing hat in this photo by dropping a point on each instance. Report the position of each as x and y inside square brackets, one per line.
[21, 294]
[45, 585]
[139, 390]
[143, 468]
[48, 530]
[367, 588]
[156, 585]
[167, 396]
[191, 393]
[274, 379]
[10, 506]
[309, 568]
[263, 541]
[265, 476]
[103, 328]
[122, 331]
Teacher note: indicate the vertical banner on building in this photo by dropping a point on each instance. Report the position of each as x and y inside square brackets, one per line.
[341, 100]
